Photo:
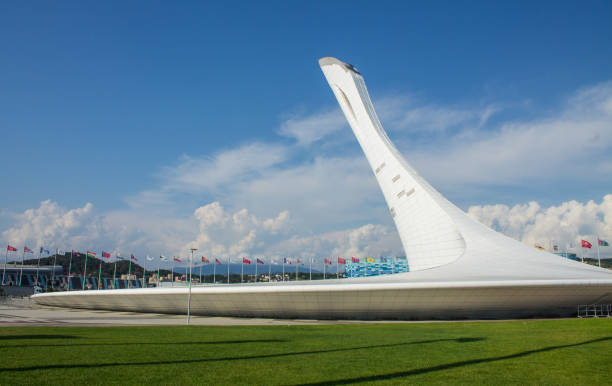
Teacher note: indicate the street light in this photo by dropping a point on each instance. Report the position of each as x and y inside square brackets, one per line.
[189, 295]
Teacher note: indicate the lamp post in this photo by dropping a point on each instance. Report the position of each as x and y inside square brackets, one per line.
[189, 294]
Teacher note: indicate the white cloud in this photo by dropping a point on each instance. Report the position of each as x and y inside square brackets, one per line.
[50, 225]
[307, 199]
[567, 223]
[575, 141]
[312, 128]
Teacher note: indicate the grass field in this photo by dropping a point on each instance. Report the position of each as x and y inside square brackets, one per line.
[542, 352]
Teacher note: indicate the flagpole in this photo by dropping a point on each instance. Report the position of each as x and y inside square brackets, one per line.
[296, 269]
[310, 268]
[324, 268]
[189, 296]
[228, 270]
[21, 272]
[256, 264]
[173, 257]
[337, 267]
[85, 270]
[53, 269]
[270, 270]
[215, 272]
[114, 273]
[69, 269]
[598, 259]
[242, 271]
[99, 275]
[144, 272]
[284, 260]
[158, 274]
[200, 272]
[5, 263]
[129, 270]
[38, 264]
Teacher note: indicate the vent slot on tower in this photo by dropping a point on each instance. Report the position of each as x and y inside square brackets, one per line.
[395, 178]
[378, 169]
[346, 102]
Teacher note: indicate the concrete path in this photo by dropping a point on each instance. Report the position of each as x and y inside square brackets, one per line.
[19, 312]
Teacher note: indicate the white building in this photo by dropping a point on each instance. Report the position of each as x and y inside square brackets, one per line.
[459, 267]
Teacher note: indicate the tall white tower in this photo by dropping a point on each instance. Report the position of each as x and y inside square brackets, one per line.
[429, 235]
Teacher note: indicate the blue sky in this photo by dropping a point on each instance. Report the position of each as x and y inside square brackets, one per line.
[122, 104]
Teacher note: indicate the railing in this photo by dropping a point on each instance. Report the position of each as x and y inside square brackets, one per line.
[595, 310]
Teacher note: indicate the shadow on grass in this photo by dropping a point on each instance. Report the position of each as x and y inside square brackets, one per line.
[17, 337]
[264, 356]
[96, 344]
[453, 365]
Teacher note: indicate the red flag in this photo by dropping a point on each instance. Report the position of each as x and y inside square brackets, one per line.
[355, 260]
[133, 257]
[586, 244]
[341, 261]
[177, 260]
[298, 261]
[217, 260]
[11, 249]
[106, 254]
[91, 253]
[205, 260]
[246, 261]
[26, 249]
[326, 260]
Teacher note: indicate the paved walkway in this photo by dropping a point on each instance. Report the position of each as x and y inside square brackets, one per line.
[19, 312]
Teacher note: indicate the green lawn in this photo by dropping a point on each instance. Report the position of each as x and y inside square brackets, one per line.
[542, 352]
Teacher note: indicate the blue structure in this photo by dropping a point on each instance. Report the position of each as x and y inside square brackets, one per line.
[382, 266]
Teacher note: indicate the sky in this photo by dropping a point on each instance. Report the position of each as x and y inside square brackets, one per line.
[150, 127]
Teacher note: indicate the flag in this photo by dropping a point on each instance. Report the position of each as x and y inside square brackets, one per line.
[369, 259]
[11, 249]
[341, 261]
[260, 261]
[603, 243]
[26, 249]
[91, 254]
[119, 256]
[47, 252]
[586, 244]
[217, 261]
[286, 261]
[298, 261]
[177, 260]
[133, 257]
[75, 252]
[538, 246]
[246, 261]
[355, 260]
[164, 258]
[106, 255]
[61, 252]
[205, 260]
[149, 258]
[325, 260]
[41, 250]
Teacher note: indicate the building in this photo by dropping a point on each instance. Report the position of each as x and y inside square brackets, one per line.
[458, 267]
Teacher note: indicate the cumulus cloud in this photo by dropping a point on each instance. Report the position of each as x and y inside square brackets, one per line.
[564, 225]
[51, 225]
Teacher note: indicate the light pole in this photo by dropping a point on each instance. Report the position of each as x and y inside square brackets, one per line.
[189, 294]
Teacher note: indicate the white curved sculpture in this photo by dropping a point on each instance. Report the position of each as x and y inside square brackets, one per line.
[459, 267]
